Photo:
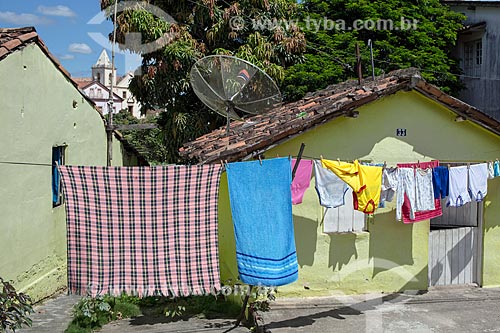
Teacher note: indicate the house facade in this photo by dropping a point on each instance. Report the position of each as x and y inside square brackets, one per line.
[99, 94]
[398, 118]
[44, 119]
[98, 87]
[478, 48]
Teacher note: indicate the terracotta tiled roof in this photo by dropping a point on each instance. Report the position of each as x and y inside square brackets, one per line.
[261, 132]
[13, 39]
[82, 82]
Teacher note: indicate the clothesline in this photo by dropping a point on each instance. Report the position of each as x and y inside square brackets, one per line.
[450, 162]
[336, 159]
[257, 187]
[419, 185]
[26, 163]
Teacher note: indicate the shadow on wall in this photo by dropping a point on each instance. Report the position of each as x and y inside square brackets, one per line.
[227, 242]
[342, 249]
[492, 205]
[461, 255]
[391, 243]
[454, 265]
[306, 238]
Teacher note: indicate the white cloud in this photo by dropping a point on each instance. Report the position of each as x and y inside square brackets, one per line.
[79, 48]
[56, 11]
[23, 19]
[67, 57]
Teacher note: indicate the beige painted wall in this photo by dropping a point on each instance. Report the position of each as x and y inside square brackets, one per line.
[36, 113]
[389, 256]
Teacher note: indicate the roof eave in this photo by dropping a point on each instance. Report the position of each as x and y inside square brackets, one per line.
[286, 122]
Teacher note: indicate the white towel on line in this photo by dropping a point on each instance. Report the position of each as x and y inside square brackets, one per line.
[478, 181]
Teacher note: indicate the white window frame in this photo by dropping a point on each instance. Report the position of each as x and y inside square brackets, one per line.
[473, 57]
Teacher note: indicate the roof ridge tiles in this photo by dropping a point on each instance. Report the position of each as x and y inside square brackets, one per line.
[282, 123]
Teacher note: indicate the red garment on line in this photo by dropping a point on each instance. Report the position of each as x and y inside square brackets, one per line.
[423, 215]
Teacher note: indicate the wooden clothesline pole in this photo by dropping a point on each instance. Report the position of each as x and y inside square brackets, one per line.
[297, 161]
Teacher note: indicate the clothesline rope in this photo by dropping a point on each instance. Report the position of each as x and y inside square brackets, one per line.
[419, 185]
[26, 163]
[458, 162]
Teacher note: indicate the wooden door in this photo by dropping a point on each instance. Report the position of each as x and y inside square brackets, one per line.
[455, 246]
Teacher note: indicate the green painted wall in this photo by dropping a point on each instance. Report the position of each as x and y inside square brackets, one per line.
[389, 256]
[36, 113]
[491, 236]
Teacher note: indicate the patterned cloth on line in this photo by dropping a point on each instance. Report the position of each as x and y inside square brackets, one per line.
[142, 230]
[422, 215]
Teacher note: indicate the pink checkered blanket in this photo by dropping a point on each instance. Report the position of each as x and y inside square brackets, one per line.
[142, 230]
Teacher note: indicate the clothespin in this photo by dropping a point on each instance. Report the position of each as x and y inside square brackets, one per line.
[260, 160]
[222, 164]
[321, 156]
[385, 165]
[449, 166]
[338, 160]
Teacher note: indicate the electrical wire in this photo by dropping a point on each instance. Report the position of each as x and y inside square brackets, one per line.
[26, 163]
[437, 72]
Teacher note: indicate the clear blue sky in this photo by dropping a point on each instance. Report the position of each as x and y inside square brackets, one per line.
[64, 26]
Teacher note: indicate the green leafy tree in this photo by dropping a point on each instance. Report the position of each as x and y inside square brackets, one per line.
[422, 35]
[151, 143]
[203, 27]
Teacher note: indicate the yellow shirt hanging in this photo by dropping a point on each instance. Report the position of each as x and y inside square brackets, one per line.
[365, 181]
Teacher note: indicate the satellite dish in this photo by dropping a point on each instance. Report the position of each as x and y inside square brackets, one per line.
[233, 87]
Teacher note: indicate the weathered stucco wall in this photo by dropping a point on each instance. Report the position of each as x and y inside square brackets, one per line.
[389, 256]
[37, 113]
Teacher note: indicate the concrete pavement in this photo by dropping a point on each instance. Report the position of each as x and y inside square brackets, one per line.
[53, 315]
[442, 310]
[454, 310]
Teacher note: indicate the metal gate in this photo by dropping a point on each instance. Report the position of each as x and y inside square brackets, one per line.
[455, 246]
